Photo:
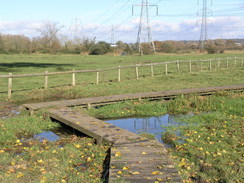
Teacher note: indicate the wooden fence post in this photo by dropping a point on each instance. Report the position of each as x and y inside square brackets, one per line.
[97, 82]
[119, 74]
[46, 80]
[73, 78]
[218, 62]
[242, 62]
[210, 64]
[235, 61]
[200, 65]
[190, 66]
[10, 85]
[137, 72]
[227, 62]
[152, 73]
[166, 69]
[178, 66]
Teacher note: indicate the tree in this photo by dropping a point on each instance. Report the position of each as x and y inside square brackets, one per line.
[16, 44]
[2, 46]
[49, 35]
[101, 48]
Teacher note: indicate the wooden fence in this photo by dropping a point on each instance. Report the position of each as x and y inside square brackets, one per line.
[219, 62]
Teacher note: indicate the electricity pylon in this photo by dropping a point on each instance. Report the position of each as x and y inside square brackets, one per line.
[77, 31]
[144, 24]
[204, 25]
[112, 35]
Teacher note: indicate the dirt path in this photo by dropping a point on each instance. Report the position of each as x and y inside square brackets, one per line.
[8, 109]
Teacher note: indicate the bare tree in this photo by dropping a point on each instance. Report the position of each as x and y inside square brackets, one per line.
[49, 35]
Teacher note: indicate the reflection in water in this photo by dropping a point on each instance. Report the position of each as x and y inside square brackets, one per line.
[50, 136]
[152, 125]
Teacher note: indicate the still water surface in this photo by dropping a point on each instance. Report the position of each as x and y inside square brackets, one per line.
[151, 125]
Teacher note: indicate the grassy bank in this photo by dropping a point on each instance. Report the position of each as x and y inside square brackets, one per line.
[24, 159]
[209, 148]
[31, 89]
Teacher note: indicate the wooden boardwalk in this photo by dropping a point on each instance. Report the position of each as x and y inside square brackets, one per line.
[133, 158]
[95, 101]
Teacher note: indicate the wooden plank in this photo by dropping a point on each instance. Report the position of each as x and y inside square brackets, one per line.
[93, 127]
[133, 158]
[136, 96]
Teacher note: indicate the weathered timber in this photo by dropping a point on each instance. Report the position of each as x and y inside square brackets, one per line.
[95, 101]
[93, 127]
[133, 158]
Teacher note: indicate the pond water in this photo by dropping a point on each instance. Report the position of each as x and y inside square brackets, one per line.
[49, 135]
[150, 125]
[56, 134]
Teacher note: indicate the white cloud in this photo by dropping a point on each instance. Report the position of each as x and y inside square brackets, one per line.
[23, 28]
[220, 27]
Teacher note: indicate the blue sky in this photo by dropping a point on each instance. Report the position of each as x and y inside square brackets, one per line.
[177, 19]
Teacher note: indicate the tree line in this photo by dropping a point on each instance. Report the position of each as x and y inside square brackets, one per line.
[49, 41]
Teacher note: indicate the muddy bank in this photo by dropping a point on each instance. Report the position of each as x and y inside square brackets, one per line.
[8, 110]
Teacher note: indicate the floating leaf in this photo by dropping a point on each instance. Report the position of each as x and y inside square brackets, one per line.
[135, 173]
[144, 153]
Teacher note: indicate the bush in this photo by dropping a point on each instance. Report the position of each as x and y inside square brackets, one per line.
[101, 48]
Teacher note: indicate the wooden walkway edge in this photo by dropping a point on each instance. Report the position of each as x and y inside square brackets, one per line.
[94, 101]
[133, 158]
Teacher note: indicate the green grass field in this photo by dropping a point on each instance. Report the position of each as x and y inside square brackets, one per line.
[75, 159]
[30, 89]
